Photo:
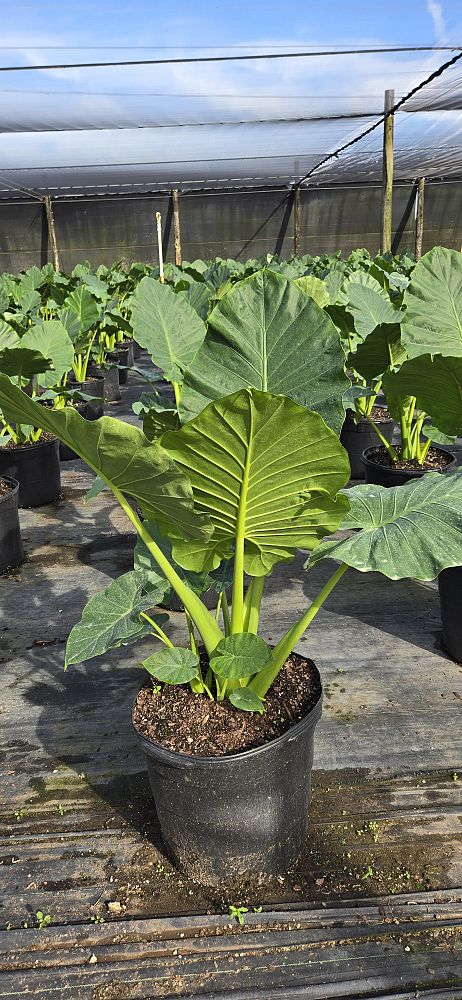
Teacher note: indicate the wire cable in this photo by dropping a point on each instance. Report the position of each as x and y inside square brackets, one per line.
[235, 58]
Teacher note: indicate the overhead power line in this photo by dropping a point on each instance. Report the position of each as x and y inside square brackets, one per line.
[236, 58]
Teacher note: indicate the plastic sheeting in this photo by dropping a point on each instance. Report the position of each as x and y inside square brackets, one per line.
[238, 224]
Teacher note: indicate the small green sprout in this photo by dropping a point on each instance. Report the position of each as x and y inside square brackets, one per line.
[43, 920]
[368, 873]
[257, 909]
[237, 912]
[60, 808]
[455, 776]
[96, 920]
[19, 815]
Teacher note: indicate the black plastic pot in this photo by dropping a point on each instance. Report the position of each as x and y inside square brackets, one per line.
[223, 817]
[127, 345]
[450, 589]
[11, 550]
[120, 356]
[136, 351]
[36, 468]
[356, 437]
[93, 386]
[111, 391]
[383, 475]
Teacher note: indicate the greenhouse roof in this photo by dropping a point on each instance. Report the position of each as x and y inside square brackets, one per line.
[145, 121]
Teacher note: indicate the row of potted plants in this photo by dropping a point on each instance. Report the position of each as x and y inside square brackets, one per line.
[243, 467]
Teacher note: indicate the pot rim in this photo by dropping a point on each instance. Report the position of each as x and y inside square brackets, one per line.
[190, 760]
[14, 487]
[25, 448]
[407, 472]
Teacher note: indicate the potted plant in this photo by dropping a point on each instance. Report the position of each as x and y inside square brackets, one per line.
[254, 475]
[28, 453]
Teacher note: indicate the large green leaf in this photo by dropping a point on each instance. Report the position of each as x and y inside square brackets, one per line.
[167, 326]
[240, 655]
[314, 287]
[198, 296]
[121, 455]
[269, 461]
[378, 351]
[22, 362]
[111, 618]
[413, 530]
[369, 309]
[436, 382]
[432, 323]
[81, 303]
[268, 334]
[52, 340]
[8, 337]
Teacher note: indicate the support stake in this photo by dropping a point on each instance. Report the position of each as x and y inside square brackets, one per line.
[387, 174]
[419, 218]
[176, 226]
[52, 231]
[159, 247]
[297, 220]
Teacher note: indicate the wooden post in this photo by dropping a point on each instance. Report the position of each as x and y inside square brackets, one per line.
[419, 217]
[387, 174]
[52, 231]
[297, 220]
[159, 247]
[176, 226]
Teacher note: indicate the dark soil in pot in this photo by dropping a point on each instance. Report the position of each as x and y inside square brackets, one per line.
[356, 437]
[232, 788]
[382, 471]
[450, 590]
[93, 386]
[36, 468]
[111, 391]
[11, 550]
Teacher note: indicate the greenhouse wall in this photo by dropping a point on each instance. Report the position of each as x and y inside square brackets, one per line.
[237, 224]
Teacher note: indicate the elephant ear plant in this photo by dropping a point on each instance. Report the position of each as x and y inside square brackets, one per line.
[254, 476]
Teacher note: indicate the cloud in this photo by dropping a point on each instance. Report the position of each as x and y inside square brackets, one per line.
[435, 10]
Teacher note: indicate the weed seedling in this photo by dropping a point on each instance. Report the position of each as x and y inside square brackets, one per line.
[43, 920]
[19, 815]
[368, 873]
[237, 913]
[60, 808]
[96, 920]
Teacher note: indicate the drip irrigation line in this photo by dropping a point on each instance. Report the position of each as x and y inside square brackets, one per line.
[424, 83]
[235, 58]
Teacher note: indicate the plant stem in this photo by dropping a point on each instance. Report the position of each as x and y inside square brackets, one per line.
[176, 389]
[225, 610]
[389, 447]
[265, 678]
[252, 604]
[159, 632]
[237, 607]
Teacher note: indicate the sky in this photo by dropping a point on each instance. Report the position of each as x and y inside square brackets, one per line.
[116, 98]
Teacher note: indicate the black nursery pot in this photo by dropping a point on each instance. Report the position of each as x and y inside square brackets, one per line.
[450, 588]
[127, 345]
[223, 817]
[11, 550]
[383, 475]
[93, 386]
[36, 468]
[136, 351]
[121, 356]
[111, 390]
[356, 437]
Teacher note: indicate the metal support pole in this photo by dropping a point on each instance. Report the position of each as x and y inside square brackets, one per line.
[176, 226]
[297, 220]
[52, 231]
[419, 217]
[387, 174]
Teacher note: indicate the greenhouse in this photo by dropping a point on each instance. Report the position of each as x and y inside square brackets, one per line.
[231, 501]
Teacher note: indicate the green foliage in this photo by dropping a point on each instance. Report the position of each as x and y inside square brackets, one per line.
[432, 322]
[173, 665]
[167, 326]
[268, 334]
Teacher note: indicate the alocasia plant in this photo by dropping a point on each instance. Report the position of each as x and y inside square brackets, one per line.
[254, 476]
